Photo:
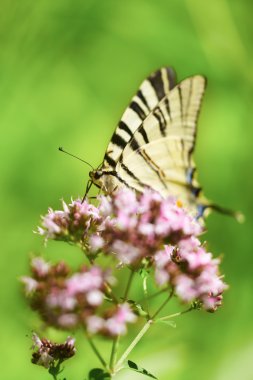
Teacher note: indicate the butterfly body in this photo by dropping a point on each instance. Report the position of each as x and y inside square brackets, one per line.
[153, 143]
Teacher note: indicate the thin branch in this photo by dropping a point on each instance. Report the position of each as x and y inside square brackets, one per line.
[133, 344]
[95, 350]
[156, 294]
[176, 314]
[110, 293]
[145, 290]
[113, 357]
[163, 305]
[129, 282]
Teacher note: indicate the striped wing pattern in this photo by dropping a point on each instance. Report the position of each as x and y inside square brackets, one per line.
[151, 91]
[163, 160]
[153, 143]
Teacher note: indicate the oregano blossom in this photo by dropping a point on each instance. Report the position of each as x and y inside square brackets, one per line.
[144, 233]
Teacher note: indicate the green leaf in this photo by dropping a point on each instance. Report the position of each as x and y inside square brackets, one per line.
[143, 273]
[108, 299]
[197, 305]
[168, 323]
[134, 367]
[99, 374]
[137, 308]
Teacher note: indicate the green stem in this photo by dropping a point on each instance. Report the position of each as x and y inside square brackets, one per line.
[110, 293]
[141, 333]
[163, 305]
[145, 290]
[113, 357]
[129, 282]
[115, 344]
[154, 295]
[95, 350]
[133, 344]
[175, 315]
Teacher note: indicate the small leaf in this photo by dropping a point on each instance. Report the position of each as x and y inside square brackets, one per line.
[134, 367]
[143, 273]
[137, 308]
[197, 305]
[99, 374]
[168, 323]
[108, 299]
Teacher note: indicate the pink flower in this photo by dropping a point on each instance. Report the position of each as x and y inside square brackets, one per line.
[116, 325]
[211, 303]
[191, 271]
[185, 288]
[140, 224]
[59, 298]
[126, 253]
[95, 297]
[126, 202]
[68, 321]
[66, 300]
[30, 284]
[40, 266]
[96, 242]
[86, 281]
[94, 324]
[75, 223]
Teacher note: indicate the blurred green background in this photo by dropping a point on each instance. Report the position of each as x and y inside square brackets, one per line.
[67, 71]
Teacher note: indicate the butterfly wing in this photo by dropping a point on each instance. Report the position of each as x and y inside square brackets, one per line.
[163, 159]
[152, 90]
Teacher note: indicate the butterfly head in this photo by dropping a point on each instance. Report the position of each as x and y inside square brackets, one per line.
[96, 176]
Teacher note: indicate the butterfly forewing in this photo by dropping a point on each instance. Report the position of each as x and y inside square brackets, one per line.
[151, 91]
[163, 159]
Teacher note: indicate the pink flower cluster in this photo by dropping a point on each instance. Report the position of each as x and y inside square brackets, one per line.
[66, 300]
[72, 224]
[135, 229]
[192, 272]
[114, 323]
[137, 226]
[48, 353]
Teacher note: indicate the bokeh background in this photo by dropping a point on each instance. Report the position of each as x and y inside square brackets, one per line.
[67, 71]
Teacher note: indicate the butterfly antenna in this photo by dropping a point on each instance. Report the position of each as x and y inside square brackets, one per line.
[72, 155]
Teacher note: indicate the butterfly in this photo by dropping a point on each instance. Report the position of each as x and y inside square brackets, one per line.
[154, 141]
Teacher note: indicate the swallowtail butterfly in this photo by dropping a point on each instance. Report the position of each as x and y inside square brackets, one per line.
[153, 143]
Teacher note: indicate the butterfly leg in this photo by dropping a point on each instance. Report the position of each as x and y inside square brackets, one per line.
[88, 186]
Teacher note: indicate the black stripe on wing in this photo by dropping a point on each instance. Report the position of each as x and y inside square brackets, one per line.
[125, 128]
[158, 83]
[136, 108]
[143, 99]
[110, 160]
[118, 140]
[158, 114]
[135, 146]
[142, 131]
[131, 174]
[162, 81]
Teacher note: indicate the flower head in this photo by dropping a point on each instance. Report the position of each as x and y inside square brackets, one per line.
[139, 225]
[72, 224]
[192, 272]
[47, 353]
[64, 299]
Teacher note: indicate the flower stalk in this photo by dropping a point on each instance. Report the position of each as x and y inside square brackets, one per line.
[96, 351]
